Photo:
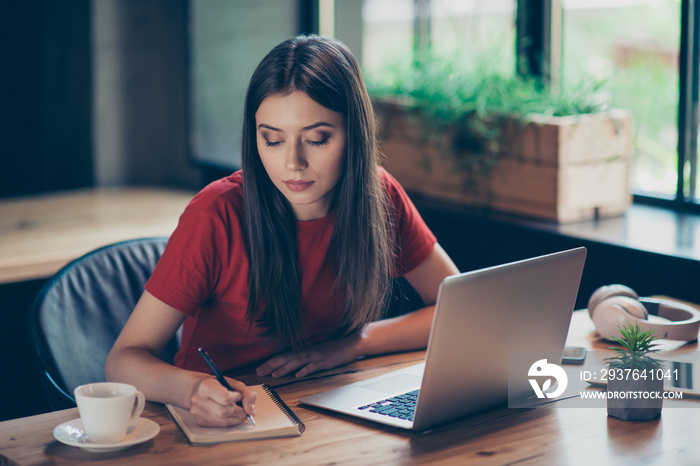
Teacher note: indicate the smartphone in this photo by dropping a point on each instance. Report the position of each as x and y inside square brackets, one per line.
[574, 355]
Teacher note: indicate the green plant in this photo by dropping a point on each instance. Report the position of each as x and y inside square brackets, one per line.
[637, 347]
[460, 106]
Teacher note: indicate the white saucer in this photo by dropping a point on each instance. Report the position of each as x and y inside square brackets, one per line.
[72, 433]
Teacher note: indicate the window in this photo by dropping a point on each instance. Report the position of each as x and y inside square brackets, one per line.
[462, 27]
[640, 47]
[456, 28]
[388, 34]
[635, 46]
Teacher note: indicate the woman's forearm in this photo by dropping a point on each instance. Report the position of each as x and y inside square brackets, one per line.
[132, 359]
[403, 333]
[156, 379]
[410, 331]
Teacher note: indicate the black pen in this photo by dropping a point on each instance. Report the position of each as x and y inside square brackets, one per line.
[222, 380]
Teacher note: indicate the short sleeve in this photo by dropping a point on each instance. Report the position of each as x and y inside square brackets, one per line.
[414, 240]
[186, 273]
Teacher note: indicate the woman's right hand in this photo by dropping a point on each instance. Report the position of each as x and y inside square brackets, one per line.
[212, 405]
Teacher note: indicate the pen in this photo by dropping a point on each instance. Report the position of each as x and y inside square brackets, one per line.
[222, 380]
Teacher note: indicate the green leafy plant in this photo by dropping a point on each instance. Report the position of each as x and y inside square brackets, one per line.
[460, 106]
[637, 349]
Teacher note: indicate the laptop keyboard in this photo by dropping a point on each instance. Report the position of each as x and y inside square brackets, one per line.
[399, 406]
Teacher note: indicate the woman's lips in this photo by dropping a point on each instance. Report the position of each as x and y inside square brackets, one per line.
[300, 185]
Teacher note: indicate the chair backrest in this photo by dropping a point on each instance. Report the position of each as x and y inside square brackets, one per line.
[79, 313]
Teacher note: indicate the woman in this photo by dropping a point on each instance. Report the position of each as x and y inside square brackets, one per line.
[286, 264]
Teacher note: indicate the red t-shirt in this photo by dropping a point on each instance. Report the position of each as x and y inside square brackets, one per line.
[204, 273]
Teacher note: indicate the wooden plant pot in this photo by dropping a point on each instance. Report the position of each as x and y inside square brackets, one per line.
[562, 169]
[630, 408]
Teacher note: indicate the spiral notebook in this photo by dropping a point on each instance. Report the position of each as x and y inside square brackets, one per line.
[273, 419]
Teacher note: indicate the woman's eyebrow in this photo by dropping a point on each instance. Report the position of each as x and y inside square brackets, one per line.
[316, 125]
[305, 128]
[272, 128]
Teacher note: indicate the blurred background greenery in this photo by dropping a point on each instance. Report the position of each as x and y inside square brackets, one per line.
[620, 53]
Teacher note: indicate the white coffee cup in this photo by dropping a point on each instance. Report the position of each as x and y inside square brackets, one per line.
[107, 410]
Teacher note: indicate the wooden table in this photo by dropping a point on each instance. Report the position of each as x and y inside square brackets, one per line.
[40, 234]
[553, 434]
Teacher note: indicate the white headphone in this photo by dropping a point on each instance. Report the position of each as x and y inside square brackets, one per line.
[613, 306]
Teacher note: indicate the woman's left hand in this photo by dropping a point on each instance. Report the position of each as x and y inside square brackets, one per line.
[318, 357]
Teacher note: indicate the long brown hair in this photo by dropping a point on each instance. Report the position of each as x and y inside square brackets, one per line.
[360, 248]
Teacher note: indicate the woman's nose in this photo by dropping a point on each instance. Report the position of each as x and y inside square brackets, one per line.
[295, 157]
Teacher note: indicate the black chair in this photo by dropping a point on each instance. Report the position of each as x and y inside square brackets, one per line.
[79, 313]
[404, 299]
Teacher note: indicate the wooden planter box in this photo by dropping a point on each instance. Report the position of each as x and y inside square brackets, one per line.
[555, 168]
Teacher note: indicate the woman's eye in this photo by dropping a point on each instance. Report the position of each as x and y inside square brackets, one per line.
[320, 142]
[272, 143]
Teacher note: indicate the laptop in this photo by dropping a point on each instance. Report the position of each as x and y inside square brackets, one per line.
[480, 318]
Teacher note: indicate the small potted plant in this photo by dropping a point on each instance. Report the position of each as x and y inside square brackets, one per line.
[635, 378]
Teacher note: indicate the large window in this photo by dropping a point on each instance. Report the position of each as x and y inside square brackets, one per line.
[388, 34]
[634, 45]
[396, 30]
[640, 49]
[465, 27]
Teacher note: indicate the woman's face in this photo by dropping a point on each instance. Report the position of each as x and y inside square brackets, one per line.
[302, 145]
